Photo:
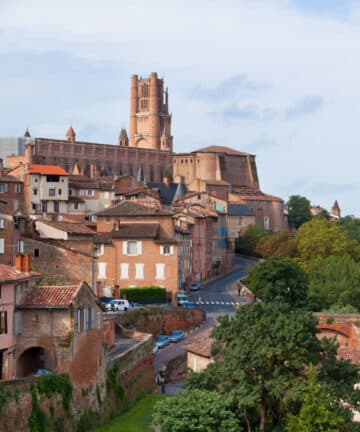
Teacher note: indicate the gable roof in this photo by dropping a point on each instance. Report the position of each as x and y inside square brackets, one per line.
[131, 231]
[70, 227]
[168, 193]
[46, 170]
[50, 296]
[130, 208]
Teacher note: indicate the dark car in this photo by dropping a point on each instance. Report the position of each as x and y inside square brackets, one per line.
[176, 336]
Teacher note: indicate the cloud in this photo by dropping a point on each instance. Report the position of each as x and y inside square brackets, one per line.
[304, 106]
[229, 88]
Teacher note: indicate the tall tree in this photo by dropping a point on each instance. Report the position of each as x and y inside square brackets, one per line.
[317, 411]
[247, 243]
[299, 210]
[279, 278]
[281, 243]
[195, 411]
[261, 356]
[322, 238]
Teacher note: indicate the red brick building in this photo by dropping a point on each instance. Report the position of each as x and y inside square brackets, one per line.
[138, 248]
[60, 328]
[13, 281]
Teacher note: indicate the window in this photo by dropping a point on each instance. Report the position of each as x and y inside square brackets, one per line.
[139, 271]
[266, 222]
[60, 191]
[51, 192]
[132, 247]
[76, 206]
[52, 178]
[3, 187]
[2, 223]
[2, 246]
[144, 104]
[78, 320]
[36, 253]
[3, 322]
[56, 206]
[92, 318]
[20, 247]
[160, 271]
[99, 249]
[17, 187]
[16, 205]
[35, 191]
[166, 250]
[44, 206]
[89, 192]
[86, 319]
[124, 271]
[102, 270]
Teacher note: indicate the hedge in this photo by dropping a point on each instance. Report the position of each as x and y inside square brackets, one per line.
[152, 294]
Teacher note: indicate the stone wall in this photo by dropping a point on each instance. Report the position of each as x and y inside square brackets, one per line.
[162, 320]
[346, 329]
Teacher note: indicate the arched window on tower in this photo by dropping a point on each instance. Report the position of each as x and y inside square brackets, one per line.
[145, 90]
[144, 104]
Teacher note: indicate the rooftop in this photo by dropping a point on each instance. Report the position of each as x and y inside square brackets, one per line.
[46, 170]
[131, 231]
[201, 347]
[130, 208]
[10, 274]
[239, 210]
[9, 179]
[70, 227]
[52, 296]
[221, 149]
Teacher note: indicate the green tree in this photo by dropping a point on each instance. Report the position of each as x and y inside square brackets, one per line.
[195, 410]
[281, 243]
[334, 282]
[322, 238]
[317, 413]
[247, 243]
[299, 210]
[351, 226]
[279, 278]
[261, 356]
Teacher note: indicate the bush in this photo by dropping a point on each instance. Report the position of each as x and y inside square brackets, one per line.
[246, 244]
[153, 294]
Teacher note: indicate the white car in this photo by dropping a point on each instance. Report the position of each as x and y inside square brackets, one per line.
[118, 305]
[182, 299]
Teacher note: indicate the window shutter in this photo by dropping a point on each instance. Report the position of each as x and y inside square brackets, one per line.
[124, 247]
[2, 224]
[171, 250]
[2, 246]
[161, 250]
[139, 248]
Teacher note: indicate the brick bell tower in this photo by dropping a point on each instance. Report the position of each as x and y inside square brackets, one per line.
[150, 121]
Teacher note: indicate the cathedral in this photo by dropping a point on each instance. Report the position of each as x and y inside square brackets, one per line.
[150, 144]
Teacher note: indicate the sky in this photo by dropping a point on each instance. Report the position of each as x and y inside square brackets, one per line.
[275, 78]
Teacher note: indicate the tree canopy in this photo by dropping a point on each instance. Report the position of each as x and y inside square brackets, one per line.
[281, 243]
[246, 244]
[279, 278]
[261, 356]
[299, 210]
[195, 411]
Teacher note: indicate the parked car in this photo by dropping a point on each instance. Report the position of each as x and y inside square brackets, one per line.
[189, 305]
[176, 336]
[135, 305]
[195, 286]
[40, 372]
[162, 341]
[105, 300]
[181, 299]
[118, 305]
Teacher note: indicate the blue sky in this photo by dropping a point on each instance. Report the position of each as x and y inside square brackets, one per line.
[278, 78]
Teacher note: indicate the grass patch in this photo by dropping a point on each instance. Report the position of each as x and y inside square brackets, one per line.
[136, 419]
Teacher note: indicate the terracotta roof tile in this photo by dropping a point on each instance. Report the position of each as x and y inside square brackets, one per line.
[10, 274]
[136, 230]
[201, 347]
[46, 170]
[49, 296]
[130, 208]
[70, 227]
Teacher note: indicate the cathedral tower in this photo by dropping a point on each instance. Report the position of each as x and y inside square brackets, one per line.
[150, 121]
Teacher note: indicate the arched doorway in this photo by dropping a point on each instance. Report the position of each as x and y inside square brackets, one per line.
[31, 360]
